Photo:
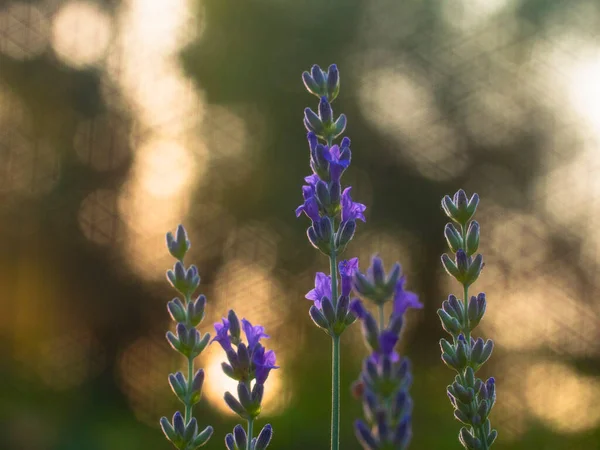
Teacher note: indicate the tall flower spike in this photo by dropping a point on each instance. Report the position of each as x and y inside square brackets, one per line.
[333, 216]
[471, 397]
[385, 379]
[250, 364]
[182, 431]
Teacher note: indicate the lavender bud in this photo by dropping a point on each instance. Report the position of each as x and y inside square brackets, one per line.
[460, 199]
[310, 84]
[474, 312]
[386, 367]
[468, 440]
[318, 318]
[235, 406]
[362, 285]
[191, 430]
[371, 332]
[401, 405]
[364, 435]
[201, 344]
[462, 417]
[177, 386]
[447, 348]
[333, 82]
[196, 310]
[328, 310]
[240, 437]
[396, 322]
[472, 238]
[369, 405]
[345, 234]
[176, 310]
[453, 238]
[322, 194]
[178, 424]
[403, 369]
[461, 354]
[483, 409]
[174, 341]
[450, 324]
[228, 370]
[474, 270]
[470, 377]
[258, 391]
[229, 443]
[472, 205]
[179, 245]
[325, 111]
[312, 121]
[462, 263]
[196, 391]
[382, 426]
[339, 126]
[342, 308]
[393, 277]
[378, 270]
[370, 369]
[450, 266]
[264, 438]
[243, 357]
[335, 194]
[403, 433]
[318, 76]
[203, 437]
[449, 207]
[244, 396]
[491, 437]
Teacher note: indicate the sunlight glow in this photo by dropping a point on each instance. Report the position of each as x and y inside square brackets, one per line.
[80, 33]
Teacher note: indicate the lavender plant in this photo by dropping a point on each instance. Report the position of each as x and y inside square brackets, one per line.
[248, 363]
[385, 377]
[471, 398]
[183, 430]
[333, 215]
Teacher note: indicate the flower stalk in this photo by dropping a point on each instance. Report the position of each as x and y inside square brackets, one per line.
[182, 431]
[333, 215]
[471, 397]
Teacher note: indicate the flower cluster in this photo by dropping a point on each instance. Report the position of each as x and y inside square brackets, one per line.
[385, 377]
[331, 210]
[183, 430]
[247, 363]
[471, 398]
[333, 320]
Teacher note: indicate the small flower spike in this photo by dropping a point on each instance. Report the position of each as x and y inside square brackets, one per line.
[471, 398]
[385, 378]
[250, 364]
[182, 431]
[333, 215]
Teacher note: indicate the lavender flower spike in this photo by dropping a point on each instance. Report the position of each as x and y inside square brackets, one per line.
[471, 397]
[333, 217]
[182, 431]
[385, 379]
[250, 365]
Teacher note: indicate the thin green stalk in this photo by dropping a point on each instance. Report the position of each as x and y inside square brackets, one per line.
[250, 431]
[335, 363]
[188, 405]
[335, 394]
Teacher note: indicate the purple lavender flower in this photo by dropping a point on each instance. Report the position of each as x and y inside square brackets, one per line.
[264, 362]
[351, 210]
[322, 289]
[253, 334]
[404, 299]
[310, 207]
[347, 269]
[222, 336]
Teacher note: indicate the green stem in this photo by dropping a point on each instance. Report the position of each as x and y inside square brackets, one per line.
[188, 405]
[335, 394]
[333, 271]
[249, 434]
[381, 318]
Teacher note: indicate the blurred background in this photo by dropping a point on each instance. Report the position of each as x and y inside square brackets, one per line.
[120, 119]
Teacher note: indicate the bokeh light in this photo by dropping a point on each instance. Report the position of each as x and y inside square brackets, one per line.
[81, 32]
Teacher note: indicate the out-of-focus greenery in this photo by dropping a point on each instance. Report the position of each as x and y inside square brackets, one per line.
[496, 97]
